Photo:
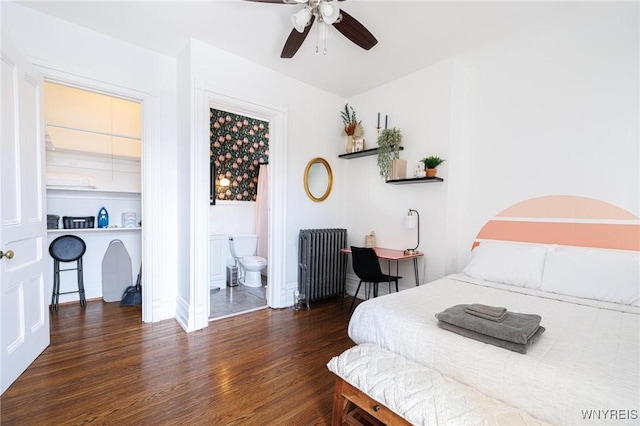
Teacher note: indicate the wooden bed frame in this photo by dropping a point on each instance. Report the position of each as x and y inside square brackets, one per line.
[353, 407]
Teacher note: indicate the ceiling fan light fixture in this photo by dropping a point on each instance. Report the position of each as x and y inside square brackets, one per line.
[324, 31]
[329, 12]
[301, 19]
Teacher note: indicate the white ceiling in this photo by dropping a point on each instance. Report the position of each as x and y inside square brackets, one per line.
[411, 34]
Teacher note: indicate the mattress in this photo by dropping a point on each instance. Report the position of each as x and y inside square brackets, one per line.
[585, 367]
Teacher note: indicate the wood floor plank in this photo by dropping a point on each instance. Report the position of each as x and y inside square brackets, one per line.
[104, 366]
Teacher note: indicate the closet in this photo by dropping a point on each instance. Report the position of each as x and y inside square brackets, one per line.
[93, 160]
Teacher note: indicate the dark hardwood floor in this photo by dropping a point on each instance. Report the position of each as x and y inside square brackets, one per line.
[105, 366]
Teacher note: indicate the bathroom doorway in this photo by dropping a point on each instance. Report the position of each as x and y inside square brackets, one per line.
[239, 206]
[210, 97]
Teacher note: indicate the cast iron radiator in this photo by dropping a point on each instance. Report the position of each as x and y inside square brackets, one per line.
[322, 267]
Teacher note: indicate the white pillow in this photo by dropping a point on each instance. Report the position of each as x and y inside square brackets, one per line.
[611, 276]
[508, 263]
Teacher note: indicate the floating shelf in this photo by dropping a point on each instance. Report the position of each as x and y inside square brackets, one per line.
[414, 180]
[363, 153]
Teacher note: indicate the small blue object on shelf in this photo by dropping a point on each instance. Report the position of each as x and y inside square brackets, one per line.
[103, 218]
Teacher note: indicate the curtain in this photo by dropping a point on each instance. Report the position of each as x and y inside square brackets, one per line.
[261, 213]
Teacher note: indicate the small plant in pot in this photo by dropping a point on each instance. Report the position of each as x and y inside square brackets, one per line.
[352, 127]
[431, 163]
[388, 150]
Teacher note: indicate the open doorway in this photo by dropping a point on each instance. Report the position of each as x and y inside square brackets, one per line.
[200, 168]
[93, 164]
[238, 220]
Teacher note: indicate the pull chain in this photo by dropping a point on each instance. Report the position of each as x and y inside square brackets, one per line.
[324, 37]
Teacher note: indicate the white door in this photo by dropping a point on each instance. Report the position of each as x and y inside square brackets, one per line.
[24, 316]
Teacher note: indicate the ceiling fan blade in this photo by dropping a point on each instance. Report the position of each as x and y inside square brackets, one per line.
[355, 31]
[279, 1]
[295, 40]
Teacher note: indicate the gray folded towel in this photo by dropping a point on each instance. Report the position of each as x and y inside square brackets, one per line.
[516, 327]
[491, 313]
[515, 347]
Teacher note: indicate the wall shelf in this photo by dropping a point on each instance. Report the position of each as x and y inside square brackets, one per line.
[88, 230]
[86, 191]
[414, 180]
[363, 153]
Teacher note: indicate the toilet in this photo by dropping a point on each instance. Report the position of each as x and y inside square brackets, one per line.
[243, 248]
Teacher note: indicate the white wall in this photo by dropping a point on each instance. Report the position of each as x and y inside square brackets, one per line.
[182, 203]
[539, 115]
[552, 114]
[75, 54]
[232, 217]
[419, 105]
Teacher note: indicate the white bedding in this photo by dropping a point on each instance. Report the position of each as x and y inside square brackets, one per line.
[586, 363]
[421, 395]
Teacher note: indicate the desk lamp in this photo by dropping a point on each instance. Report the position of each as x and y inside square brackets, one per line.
[413, 221]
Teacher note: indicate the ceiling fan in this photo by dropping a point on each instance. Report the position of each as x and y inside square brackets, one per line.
[326, 12]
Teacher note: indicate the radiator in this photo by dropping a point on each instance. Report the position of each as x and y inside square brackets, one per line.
[322, 267]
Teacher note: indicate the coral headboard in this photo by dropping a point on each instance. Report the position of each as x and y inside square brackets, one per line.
[565, 220]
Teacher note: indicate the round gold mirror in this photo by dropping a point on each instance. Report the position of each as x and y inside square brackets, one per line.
[318, 179]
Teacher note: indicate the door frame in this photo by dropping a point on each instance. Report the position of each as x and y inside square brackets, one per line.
[206, 98]
[55, 75]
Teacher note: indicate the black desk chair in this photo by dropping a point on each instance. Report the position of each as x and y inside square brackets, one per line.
[67, 248]
[367, 267]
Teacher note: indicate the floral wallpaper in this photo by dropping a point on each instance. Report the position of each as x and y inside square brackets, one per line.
[238, 146]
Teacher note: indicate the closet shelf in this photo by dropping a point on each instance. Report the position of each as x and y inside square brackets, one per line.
[57, 189]
[88, 230]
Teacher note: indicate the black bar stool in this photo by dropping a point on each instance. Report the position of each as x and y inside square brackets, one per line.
[67, 248]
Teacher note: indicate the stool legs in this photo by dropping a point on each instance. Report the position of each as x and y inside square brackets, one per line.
[83, 301]
[55, 294]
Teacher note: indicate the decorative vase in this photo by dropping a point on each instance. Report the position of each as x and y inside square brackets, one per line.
[351, 144]
[370, 240]
[431, 172]
[398, 169]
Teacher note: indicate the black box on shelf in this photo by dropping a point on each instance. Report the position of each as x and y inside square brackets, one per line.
[72, 222]
[52, 221]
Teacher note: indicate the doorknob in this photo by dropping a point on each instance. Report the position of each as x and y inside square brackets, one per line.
[8, 254]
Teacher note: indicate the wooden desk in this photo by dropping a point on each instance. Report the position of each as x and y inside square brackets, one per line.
[397, 256]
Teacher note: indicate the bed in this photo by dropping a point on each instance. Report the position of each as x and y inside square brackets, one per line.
[584, 369]
[588, 358]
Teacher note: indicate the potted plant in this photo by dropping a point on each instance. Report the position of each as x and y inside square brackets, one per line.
[352, 127]
[388, 150]
[431, 163]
